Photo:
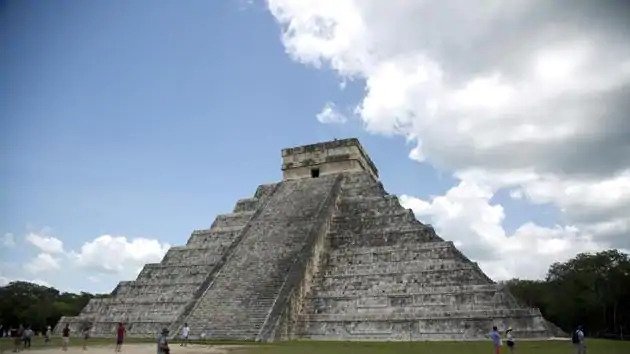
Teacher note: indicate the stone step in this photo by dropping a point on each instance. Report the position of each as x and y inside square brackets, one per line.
[246, 204]
[415, 330]
[463, 275]
[387, 287]
[438, 315]
[155, 270]
[392, 249]
[224, 238]
[394, 253]
[434, 290]
[385, 267]
[388, 237]
[194, 255]
[232, 219]
[389, 310]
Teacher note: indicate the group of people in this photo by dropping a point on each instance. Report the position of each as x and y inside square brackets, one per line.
[577, 338]
[162, 340]
[22, 337]
[497, 341]
[85, 333]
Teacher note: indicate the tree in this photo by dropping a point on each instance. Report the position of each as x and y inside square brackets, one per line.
[590, 289]
[38, 306]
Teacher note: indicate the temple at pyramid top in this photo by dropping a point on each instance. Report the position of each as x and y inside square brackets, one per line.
[330, 157]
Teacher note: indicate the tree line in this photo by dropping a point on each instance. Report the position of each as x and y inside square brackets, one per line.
[37, 306]
[592, 290]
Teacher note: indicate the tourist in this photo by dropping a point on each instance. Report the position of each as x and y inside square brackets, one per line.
[86, 335]
[162, 342]
[65, 337]
[579, 341]
[47, 333]
[496, 339]
[120, 336]
[27, 337]
[16, 334]
[510, 339]
[185, 333]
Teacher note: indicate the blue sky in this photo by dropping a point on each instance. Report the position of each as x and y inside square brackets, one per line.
[146, 120]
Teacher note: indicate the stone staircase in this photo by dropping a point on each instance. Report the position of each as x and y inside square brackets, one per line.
[164, 292]
[388, 276]
[241, 297]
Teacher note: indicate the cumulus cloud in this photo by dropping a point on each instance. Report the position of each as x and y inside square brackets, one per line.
[47, 244]
[525, 95]
[44, 262]
[466, 215]
[117, 254]
[330, 115]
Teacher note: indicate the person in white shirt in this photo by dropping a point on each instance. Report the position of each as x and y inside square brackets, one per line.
[510, 339]
[185, 333]
[579, 341]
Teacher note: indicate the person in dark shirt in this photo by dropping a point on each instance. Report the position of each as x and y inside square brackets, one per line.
[16, 334]
[120, 336]
[65, 337]
[86, 335]
[17, 339]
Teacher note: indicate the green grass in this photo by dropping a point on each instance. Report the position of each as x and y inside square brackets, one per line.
[594, 346]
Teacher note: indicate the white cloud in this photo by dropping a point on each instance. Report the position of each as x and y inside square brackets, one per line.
[466, 216]
[450, 76]
[8, 240]
[4, 280]
[44, 262]
[47, 244]
[116, 254]
[517, 95]
[330, 115]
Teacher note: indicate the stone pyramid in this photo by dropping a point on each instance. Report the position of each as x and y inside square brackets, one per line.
[324, 254]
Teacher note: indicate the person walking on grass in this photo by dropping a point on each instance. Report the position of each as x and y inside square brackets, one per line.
[578, 340]
[65, 338]
[185, 333]
[86, 335]
[16, 333]
[27, 336]
[510, 339]
[47, 333]
[120, 336]
[495, 336]
[162, 342]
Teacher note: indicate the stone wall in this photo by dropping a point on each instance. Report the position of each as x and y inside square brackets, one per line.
[338, 156]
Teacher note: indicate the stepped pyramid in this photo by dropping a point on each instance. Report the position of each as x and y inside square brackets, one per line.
[324, 254]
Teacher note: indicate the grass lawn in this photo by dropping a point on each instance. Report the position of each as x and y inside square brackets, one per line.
[594, 346]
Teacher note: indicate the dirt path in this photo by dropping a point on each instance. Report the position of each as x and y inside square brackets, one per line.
[142, 348]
